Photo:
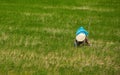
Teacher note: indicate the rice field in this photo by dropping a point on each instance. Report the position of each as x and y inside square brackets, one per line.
[37, 37]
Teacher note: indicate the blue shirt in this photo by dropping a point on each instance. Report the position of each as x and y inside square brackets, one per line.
[82, 30]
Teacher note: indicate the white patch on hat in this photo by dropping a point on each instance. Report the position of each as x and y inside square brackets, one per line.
[80, 37]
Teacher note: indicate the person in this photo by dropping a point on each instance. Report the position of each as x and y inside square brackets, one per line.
[81, 37]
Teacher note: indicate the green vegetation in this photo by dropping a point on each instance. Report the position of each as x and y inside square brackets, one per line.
[36, 37]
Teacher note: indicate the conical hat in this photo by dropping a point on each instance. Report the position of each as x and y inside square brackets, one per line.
[80, 37]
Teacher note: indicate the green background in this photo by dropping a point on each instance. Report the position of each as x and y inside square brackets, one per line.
[37, 37]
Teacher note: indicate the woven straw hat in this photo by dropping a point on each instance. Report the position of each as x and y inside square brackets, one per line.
[80, 37]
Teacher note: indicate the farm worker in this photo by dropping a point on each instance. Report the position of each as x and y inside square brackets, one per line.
[81, 37]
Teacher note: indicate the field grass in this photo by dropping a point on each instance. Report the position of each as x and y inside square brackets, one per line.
[36, 37]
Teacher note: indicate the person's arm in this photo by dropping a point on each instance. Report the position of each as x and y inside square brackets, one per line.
[86, 40]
